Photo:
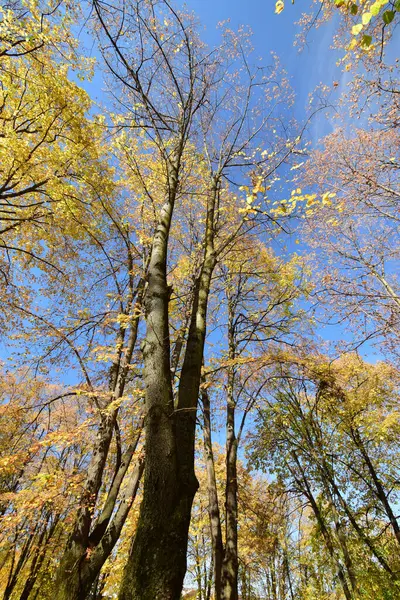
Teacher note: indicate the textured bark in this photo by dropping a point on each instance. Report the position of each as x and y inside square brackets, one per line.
[71, 574]
[230, 566]
[156, 566]
[109, 505]
[78, 581]
[225, 556]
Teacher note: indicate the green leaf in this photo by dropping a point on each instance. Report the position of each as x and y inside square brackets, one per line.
[354, 9]
[388, 16]
[397, 5]
[366, 40]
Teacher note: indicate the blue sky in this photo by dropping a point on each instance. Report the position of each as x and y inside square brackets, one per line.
[314, 64]
[274, 33]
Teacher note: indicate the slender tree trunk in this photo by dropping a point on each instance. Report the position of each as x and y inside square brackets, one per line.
[38, 559]
[324, 531]
[288, 574]
[341, 539]
[16, 569]
[199, 576]
[230, 566]
[327, 477]
[213, 506]
[380, 492]
[358, 529]
[74, 575]
[92, 562]
[273, 579]
[208, 577]
[244, 584]
[346, 554]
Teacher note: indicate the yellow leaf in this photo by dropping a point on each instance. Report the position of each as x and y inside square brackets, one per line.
[355, 30]
[367, 16]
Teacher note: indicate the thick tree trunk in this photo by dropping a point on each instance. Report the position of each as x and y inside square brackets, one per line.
[156, 566]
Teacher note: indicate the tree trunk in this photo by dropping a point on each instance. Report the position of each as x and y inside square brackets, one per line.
[16, 569]
[74, 577]
[38, 559]
[156, 566]
[230, 566]
[213, 506]
[324, 530]
[358, 529]
[380, 492]
[77, 582]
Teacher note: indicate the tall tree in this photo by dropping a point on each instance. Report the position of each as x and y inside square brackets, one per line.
[260, 291]
[172, 88]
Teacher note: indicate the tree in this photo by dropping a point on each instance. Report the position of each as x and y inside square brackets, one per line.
[355, 228]
[174, 92]
[49, 147]
[40, 479]
[260, 292]
[328, 443]
[375, 21]
[143, 305]
[263, 534]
